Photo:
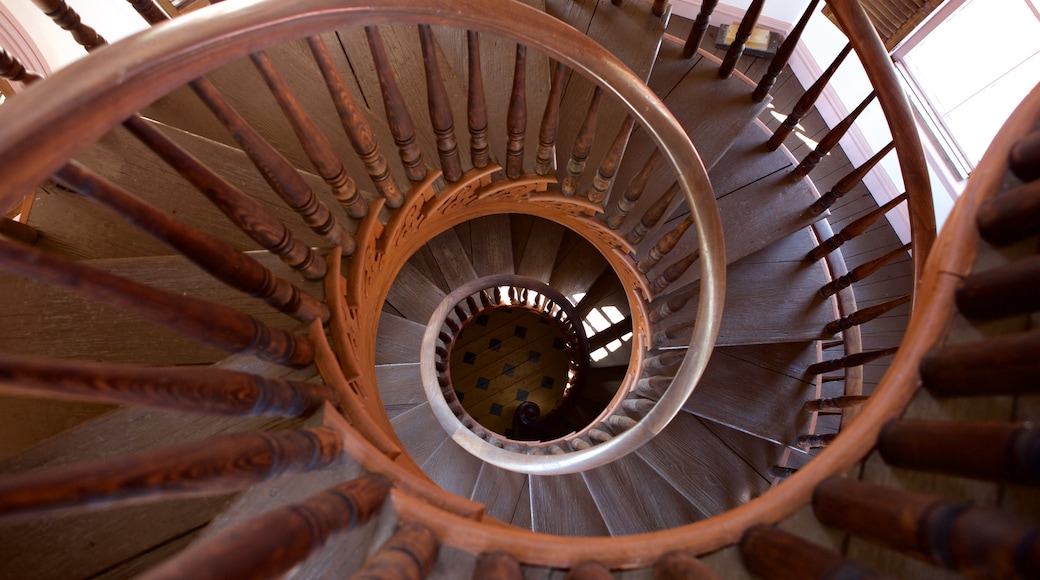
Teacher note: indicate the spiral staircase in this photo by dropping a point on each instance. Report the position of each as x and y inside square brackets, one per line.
[445, 174]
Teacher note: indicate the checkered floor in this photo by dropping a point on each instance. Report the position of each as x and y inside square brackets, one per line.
[504, 357]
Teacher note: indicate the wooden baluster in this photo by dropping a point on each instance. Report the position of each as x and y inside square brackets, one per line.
[620, 423]
[215, 256]
[497, 566]
[634, 191]
[638, 407]
[849, 361]
[200, 320]
[485, 299]
[781, 472]
[357, 128]
[674, 272]
[471, 303]
[673, 332]
[860, 272]
[408, 555]
[589, 571]
[544, 159]
[440, 109]
[845, 184]
[854, 229]
[736, 50]
[476, 105]
[604, 179]
[211, 466]
[665, 245]
[279, 173]
[582, 146]
[247, 213]
[1004, 365]
[673, 303]
[773, 553]
[1002, 291]
[666, 359]
[1024, 157]
[816, 441]
[830, 140]
[12, 69]
[397, 115]
[1004, 452]
[18, 231]
[68, 19]
[806, 102]
[207, 390]
[1012, 216]
[979, 542]
[652, 215]
[272, 544]
[317, 147]
[783, 54]
[516, 118]
[865, 315]
[700, 26]
[149, 11]
[834, 404]
[658, 7]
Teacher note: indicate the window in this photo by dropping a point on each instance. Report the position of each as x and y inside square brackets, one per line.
[967, 69]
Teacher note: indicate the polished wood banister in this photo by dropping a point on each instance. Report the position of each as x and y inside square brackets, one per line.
[210, 466]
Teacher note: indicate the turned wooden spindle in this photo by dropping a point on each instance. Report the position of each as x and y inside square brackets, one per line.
[666, 359]
[635, 190]
[244, 211]
[773, 553]
[497, 566]
[1004, 365]
[604, 179]
[864, 315]
[849, 361]
[834, 404]
[664, 245]
[317, 147]
[736, 50]
[408, 555]
[550, 127]
[356, 126]
[830, 140]
[700, 26]
[860, 272]
[441, 116]
[1024, 157]
[68, 19]
[206, 390]
[1012, 216]
[1006, 452]
[211, 466]
[806, 102]
[854, 229]
[516, 117]
[215, 256]
[846, 183]
[979, 542]
[652, 387]
[652, 215]
[12, 69]
[589, 571]
[673, 303]
[397, 115]
[476, 105]
[783, 54]
[582, 146]
[674, 272]
[637, 406]
[1003, 291]
[149, 11]
[816, 441]
[659, 7]
[272, 544]
[781, 472]
[199, 320]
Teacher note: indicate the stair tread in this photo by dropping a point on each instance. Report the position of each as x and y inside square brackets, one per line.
[573, 512]
[492, 246]
[453, 468]
[577, 267]
[414, 295]
[699, 466]
[450, 256]
[400, 387]
[127, 338]
[419, 432]
[758, 389]
[539, 250]
[399, 340]
[500, 491]
[634, 499]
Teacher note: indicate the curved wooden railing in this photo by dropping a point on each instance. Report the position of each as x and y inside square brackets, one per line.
[34, 144]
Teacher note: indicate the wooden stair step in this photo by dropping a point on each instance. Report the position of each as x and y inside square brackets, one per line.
[502, 492]
[414, 295]
[451, 259]
[758, 389]
[419, 432]
[399, 340]
[573, 510]
[702, 467]
[539, 248]
[577, 266]
[400, 387]
[118, 336]
[492, 246]
[453, 468]
[634, 499]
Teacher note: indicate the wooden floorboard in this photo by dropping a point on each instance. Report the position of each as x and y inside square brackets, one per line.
[502, 492]
[563, 505]
[492, 251]
[399, 340]
[414, 295]
[539, 250]
[419, 432]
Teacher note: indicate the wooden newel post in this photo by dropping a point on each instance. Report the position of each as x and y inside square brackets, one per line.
[408, 555]
[273, 543]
